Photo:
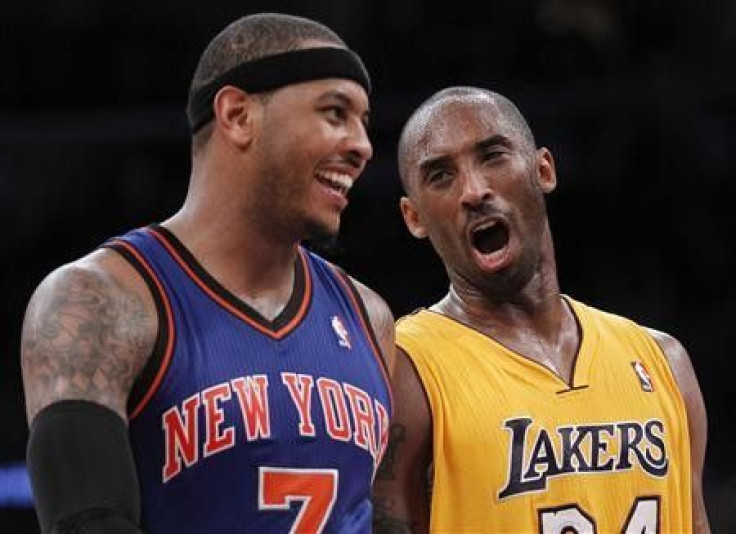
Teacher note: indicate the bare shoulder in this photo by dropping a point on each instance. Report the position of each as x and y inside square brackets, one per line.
[88, 331]
[679, 360]
[687, 381]
[382, 321]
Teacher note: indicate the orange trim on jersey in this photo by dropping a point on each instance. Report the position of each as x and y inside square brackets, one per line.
[377, 353]
[168, 352]
[275, 334]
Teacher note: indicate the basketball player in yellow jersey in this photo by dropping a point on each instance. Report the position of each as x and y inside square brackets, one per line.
[519, 409]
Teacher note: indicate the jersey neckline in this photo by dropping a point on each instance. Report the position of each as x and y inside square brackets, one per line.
[579, 376]
[284, 323]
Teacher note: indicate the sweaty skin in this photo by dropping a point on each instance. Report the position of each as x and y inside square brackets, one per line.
[468, 162]
[269, 171]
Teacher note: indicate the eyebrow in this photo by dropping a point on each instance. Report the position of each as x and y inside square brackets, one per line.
[346, 101]
[430, 164]
[492, 141]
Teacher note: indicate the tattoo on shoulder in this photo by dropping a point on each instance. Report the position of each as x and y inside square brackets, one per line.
[84, 338]
[397, 435]
[383, 523]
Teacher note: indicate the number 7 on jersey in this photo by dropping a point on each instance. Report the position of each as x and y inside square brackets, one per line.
[279, 487]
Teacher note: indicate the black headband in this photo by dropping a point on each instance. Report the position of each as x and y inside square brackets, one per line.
[271, 72]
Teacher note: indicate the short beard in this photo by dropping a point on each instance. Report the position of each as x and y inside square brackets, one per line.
[322, 241]
[509, 285]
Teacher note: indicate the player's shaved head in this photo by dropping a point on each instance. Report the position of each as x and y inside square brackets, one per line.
[430, 113]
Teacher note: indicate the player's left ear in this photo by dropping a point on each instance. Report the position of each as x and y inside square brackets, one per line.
[546, 174]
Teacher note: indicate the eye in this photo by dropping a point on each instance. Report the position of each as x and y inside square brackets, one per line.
[491, 154]
[438, 177]
[335, 114]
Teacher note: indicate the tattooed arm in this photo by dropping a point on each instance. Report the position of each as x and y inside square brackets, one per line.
[89, 329]
[401, 492]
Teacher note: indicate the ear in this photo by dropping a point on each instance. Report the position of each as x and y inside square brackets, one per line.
[235, 112]
[546, 174]
[412, 219]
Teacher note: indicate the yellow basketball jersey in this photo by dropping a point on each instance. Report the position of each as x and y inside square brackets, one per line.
[516, 449]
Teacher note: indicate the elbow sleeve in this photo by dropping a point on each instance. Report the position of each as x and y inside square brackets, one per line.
[82, 470]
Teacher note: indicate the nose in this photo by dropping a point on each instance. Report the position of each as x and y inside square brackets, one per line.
[475, 189]
[359, 144]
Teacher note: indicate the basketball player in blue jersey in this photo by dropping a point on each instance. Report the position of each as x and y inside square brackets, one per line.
[209, 374]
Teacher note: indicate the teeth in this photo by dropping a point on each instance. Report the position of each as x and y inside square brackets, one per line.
[485, 226]
[340, 181]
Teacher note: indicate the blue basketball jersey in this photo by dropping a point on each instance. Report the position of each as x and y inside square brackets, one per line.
[240, 424]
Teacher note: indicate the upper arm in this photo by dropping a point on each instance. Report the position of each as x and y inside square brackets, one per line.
[382, 321]
[402, 486]
[687, 381]
[88, 331]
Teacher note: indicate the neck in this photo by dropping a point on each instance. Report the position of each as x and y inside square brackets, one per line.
[534, 303]
[254, 266]
[221, 244]
[544, 331]
[540, 310]
[534, 321]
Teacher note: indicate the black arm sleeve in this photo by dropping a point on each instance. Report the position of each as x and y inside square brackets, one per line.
[82, 470]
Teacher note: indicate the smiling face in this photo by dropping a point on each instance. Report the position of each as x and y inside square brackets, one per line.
[476, 186]
[311, 147]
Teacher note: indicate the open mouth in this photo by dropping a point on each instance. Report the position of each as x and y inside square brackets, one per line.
[490, 237]
[336, 181]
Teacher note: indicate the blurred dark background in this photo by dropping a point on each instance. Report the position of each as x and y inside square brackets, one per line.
[636, 99]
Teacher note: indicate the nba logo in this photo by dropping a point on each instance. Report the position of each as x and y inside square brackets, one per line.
[343, 338]
[643, 375]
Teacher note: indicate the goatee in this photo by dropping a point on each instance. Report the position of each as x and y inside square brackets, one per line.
[323, 242]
